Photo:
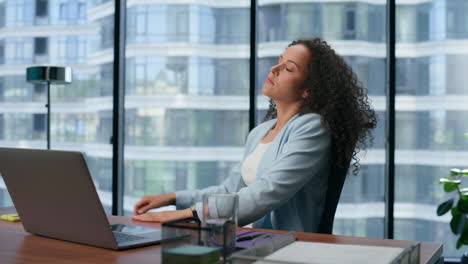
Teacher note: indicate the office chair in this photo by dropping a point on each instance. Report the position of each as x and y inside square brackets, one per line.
[335, 186]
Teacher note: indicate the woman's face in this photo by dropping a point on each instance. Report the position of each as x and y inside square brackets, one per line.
[285, 81]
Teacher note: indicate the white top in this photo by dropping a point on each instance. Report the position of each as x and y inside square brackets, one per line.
[250, 165]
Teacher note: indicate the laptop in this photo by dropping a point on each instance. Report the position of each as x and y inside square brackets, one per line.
[55, 197]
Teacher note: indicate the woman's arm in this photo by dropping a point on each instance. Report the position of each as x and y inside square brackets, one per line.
[187, 198]
[233, 183]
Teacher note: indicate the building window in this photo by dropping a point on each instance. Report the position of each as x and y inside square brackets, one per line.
[350, 22]
[39, 92]
[42, 7]
[1, 90]
[82, 11]
[39, 123]
[1, 128]
[40, 46]
[2, 51]
[139, 179]
[180, 175]
[63, 11]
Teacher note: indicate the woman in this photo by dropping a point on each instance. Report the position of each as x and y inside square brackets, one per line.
[319, 119]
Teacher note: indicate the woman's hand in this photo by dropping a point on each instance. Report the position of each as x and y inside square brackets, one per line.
[165, 216]
[153, 201]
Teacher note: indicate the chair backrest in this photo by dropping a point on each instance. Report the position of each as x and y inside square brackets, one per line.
[335, 186]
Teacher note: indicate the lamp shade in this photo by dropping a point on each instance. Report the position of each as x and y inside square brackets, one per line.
[49, 74]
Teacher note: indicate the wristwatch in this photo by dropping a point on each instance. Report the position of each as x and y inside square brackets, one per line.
[194, 212]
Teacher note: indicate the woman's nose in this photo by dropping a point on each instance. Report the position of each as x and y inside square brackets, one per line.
[275, 68]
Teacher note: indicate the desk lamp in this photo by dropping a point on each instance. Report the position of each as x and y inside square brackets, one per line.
[48, 75]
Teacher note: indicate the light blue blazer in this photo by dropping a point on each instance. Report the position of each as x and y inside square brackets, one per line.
[290, 188]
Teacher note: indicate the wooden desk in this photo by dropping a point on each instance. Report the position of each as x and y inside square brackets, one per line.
[17, 246]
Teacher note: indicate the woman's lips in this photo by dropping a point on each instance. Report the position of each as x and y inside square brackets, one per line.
[270, 81]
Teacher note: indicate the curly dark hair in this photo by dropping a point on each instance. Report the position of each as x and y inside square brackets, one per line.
[336, 94]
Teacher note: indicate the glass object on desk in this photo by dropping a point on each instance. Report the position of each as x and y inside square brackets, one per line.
[220, 212]
[183, 242]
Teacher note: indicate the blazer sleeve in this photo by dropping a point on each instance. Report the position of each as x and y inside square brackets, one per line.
[302, 159]
[187, 198]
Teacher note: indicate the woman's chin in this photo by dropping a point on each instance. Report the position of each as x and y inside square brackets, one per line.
[266, 91]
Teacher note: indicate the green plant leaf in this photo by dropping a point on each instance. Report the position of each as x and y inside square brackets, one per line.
[464, 236]
[444, 207]
[454, 172]
[464, 172]
[450, 185]
[463, 205]
[457, 223]
[455, 212]
[449, 180]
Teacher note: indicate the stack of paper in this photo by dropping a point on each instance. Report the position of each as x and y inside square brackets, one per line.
[323, 253]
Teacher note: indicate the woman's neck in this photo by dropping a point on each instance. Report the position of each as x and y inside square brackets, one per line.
[284, 113]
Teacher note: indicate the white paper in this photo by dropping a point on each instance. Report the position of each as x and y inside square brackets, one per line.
[324, 253]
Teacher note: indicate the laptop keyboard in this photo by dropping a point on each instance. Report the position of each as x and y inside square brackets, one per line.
[123, 238]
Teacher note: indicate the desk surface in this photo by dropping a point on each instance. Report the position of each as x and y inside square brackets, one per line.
[17, 246]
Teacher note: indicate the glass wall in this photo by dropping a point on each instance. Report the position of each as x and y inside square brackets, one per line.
[186, 95]
[57, 32]
[342, 24]
[431, 115]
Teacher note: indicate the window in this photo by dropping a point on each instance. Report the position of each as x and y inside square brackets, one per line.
[457, 23]
[1, 90]
[177, 93]
[39, 92]
[269, 26]
[106, 84]
[429, 116]
[42, 7]
[2, 52]
[2, 129]
[350, 22]
[376, 24]
[72, 124]
[298, 20]
[339, 22]
[39, 122]
[230, 76]
[40, 46]
[2, 15]
[232, 25]
[178, 23]
[82, 11]
[63, 11]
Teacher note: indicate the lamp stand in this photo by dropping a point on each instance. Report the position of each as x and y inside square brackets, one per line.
[48, 115]
[48, 75]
